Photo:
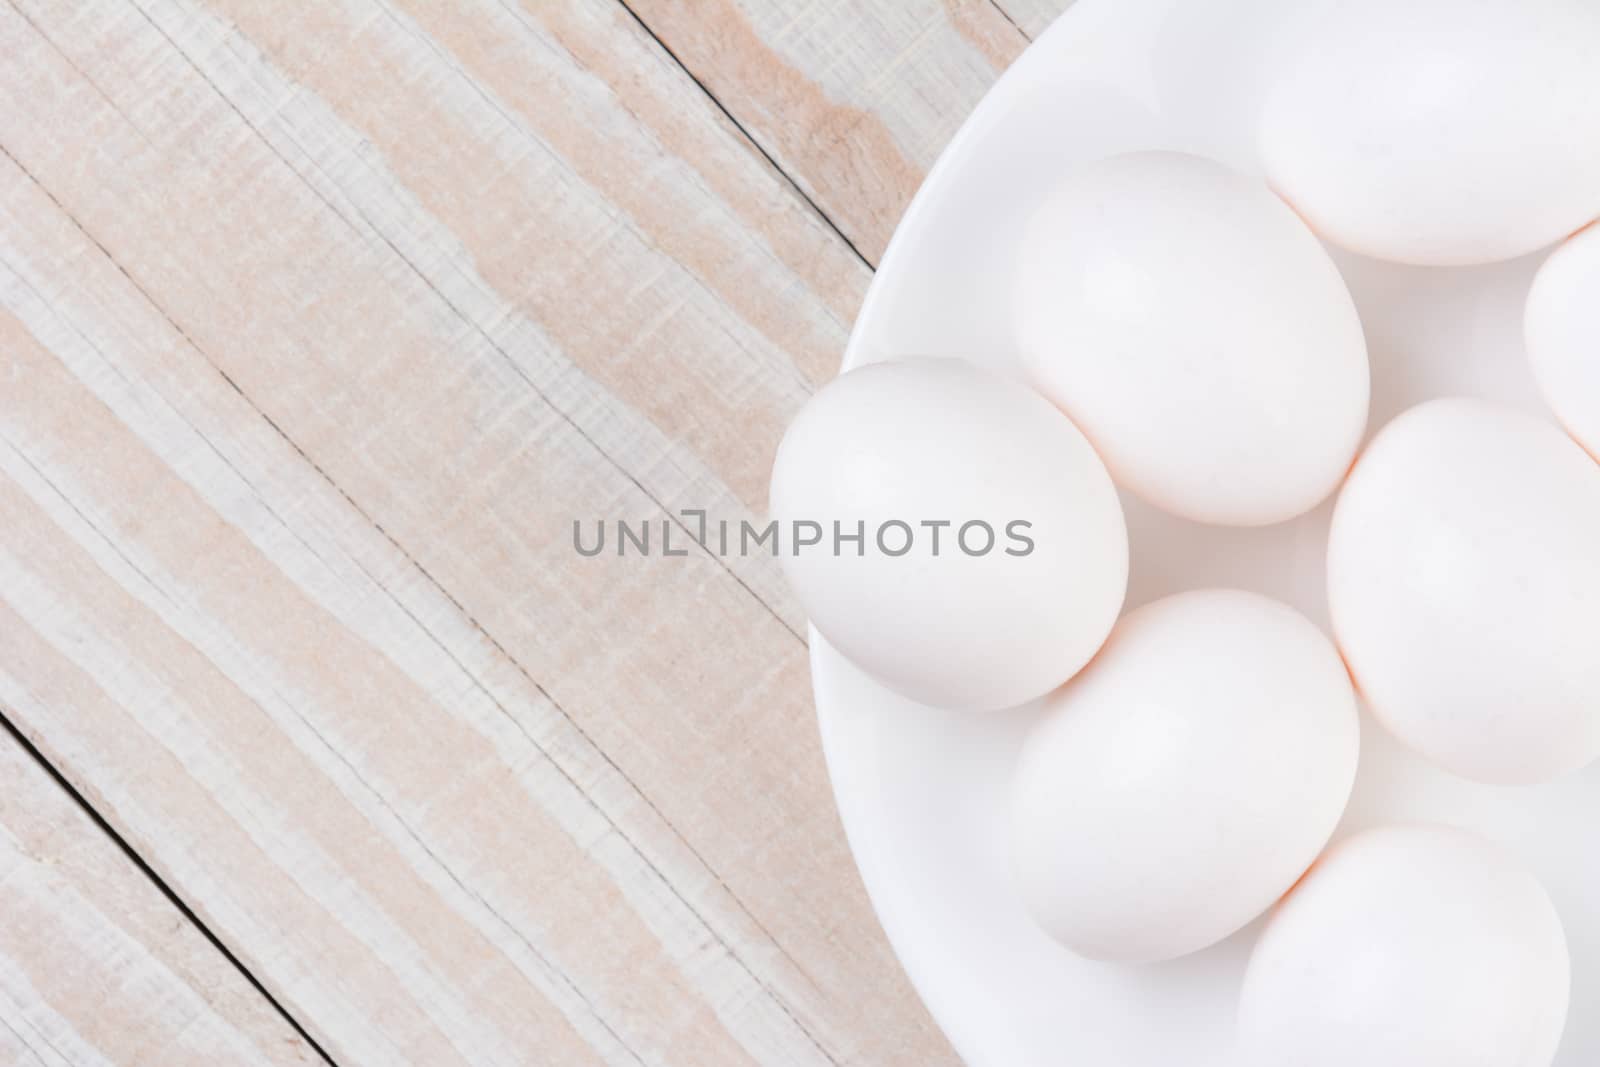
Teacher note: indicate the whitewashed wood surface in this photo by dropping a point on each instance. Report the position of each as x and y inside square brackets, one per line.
[320, 323]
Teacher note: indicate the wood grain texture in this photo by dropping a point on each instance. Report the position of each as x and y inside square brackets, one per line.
[855, 103]
[320, 324]
[97, 967]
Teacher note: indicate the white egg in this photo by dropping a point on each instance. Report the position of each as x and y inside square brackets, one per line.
[1408, 947]
[1184, 781]
[1440, 132]
[1563, 333]
[1464, 585]
[1197, 333]
[994, 557]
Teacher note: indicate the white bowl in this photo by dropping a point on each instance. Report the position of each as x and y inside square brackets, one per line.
[922, 792]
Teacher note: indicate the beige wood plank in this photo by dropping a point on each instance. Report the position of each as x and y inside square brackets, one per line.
[268, 833]
[505, 773]
[854, 99]
[96, 965]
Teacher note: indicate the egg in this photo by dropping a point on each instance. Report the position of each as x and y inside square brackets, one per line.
[1183, 782]
[1439, 132]
[1464, 588]
[985, 555]
[1197, 333]
[1408, 947]
[1562, 325]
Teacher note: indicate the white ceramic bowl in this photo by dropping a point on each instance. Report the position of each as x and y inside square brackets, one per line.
[921, 792]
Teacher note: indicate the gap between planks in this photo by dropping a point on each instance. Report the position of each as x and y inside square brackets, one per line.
[81, 802]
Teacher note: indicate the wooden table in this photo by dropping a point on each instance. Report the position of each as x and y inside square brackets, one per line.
[320, 324]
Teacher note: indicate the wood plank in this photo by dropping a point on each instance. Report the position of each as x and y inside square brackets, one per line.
[266, 832]
[97, 966]
[321, 291]
[854, 101]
